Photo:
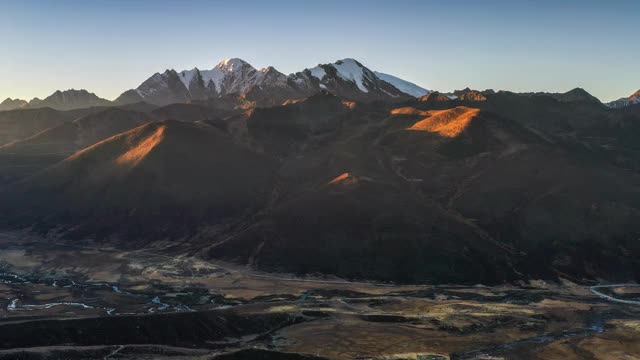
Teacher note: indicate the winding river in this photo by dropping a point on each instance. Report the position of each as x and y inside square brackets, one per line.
[596, 290]
[154, 303]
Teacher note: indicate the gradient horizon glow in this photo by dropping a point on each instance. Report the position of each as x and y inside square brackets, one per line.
[109, 46]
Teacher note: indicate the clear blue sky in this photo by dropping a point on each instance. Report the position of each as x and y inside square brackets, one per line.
[108, 46]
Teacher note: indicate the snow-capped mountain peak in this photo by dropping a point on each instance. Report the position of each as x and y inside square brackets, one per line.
[271, 76]
[351, 70]
[233, 65]
[347, 69]
[234, 76]
[318, 72]
[403, 85]
[188, 75]
[347, 78]
[268, 69]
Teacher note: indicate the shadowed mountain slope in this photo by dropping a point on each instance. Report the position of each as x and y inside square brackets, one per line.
[455, 195]
[20, 124]
[161, 178]
[80, 133]
[358, 227]
[190, 112]
[279, 129]
[54, 144]
[485, 188]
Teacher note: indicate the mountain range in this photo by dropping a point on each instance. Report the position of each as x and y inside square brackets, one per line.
[236, 77]
[335, 170]
[59, 100]
[11, 104]
[268, 86]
